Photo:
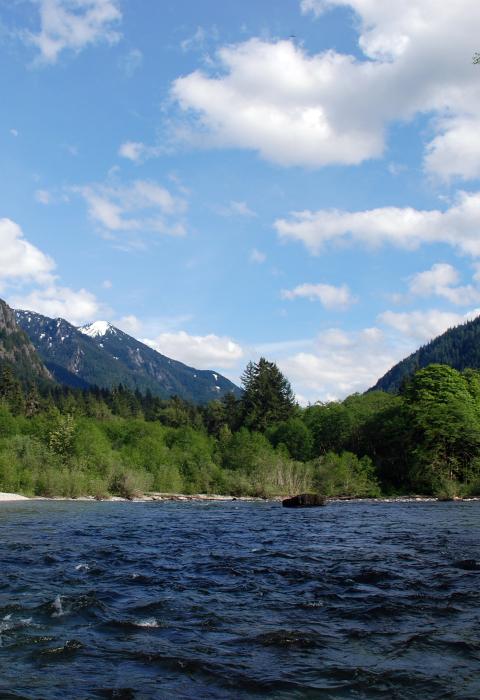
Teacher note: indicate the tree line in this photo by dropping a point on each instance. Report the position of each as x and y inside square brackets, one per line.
[55, 440]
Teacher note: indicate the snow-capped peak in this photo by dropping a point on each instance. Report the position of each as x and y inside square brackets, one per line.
[96, 329]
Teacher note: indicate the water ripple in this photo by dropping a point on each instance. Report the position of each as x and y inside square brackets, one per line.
[239, 600]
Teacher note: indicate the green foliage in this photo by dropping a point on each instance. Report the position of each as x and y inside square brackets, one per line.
[59, 441]
[61, 436]
[268, 396]
[295, 435]
[445, 420]
[345, 475]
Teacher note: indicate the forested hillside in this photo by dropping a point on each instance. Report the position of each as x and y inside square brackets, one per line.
[61, 441]
[458, 347]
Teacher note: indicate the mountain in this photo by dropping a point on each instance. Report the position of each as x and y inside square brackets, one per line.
[458, 347]
[16, 348]
[102, 355]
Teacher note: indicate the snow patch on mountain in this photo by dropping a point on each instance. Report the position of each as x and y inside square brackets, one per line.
[96, 329]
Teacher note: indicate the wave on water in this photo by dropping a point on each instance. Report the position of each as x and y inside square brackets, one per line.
[239, 601]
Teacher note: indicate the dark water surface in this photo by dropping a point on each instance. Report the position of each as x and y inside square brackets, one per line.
[239, 600]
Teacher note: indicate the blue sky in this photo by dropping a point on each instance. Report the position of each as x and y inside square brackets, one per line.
[224, 180]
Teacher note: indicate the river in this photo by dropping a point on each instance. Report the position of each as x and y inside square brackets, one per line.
[239, 600]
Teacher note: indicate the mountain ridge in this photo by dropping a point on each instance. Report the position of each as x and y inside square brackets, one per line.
[101, 354]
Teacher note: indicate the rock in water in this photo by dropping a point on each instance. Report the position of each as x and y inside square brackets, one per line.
[304, 500]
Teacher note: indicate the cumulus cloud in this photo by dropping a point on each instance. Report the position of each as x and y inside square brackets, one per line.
[338, 363]
[440, 280]
[455, 151]
[76, 306]
[24, 266]
[142, 205]
[74, 24]
[422, 326]
[20, 261]
[341, 363]
[205, 352]
[328, 295]
[407, 228]
[297, 108]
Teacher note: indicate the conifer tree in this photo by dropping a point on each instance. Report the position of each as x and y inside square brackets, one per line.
[268, 397]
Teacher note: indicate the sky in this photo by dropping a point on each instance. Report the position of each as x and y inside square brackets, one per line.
[226, 180]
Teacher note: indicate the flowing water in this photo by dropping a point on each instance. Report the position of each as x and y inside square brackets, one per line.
[239, 600]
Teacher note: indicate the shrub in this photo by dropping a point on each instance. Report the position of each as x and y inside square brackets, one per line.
[345, 475]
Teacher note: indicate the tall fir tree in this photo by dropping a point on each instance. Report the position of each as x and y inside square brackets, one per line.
[268, 397]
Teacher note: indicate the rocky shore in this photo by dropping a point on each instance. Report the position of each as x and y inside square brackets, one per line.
[151, 497]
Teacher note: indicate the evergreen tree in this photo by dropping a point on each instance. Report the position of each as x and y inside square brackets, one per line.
[11, 390]
[268, 397]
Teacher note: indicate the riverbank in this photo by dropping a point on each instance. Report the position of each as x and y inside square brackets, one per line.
[12, 497]
[152, 497]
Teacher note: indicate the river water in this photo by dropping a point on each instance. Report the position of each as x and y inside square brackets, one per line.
[239, 600]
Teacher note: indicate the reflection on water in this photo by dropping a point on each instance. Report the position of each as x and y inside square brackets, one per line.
[239, 600]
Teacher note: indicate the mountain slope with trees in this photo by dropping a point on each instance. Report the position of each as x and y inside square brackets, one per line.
[16, 350]
[458, 347]
[55, 440]
[80, 358]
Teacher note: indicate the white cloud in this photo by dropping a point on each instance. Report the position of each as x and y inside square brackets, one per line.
[76, 306]
[132, 150]
[107, 284]
[43, 196]
[341, 363]
[329, 296]
[131, 62]
[199, 40]
[235, 208]
[297, 108]
[55, 301]
[138, 152]
[440, 280]
[396, 169]
[476, 274]
[130, 324]
[408, 228]
[20, 261]
[455, 151]
[14, 132]
[23, 265]
[318, 7]
[205, 352]
[338, 363]
[422, 326]
[256, 256]
[74, 24]
[140, 206]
